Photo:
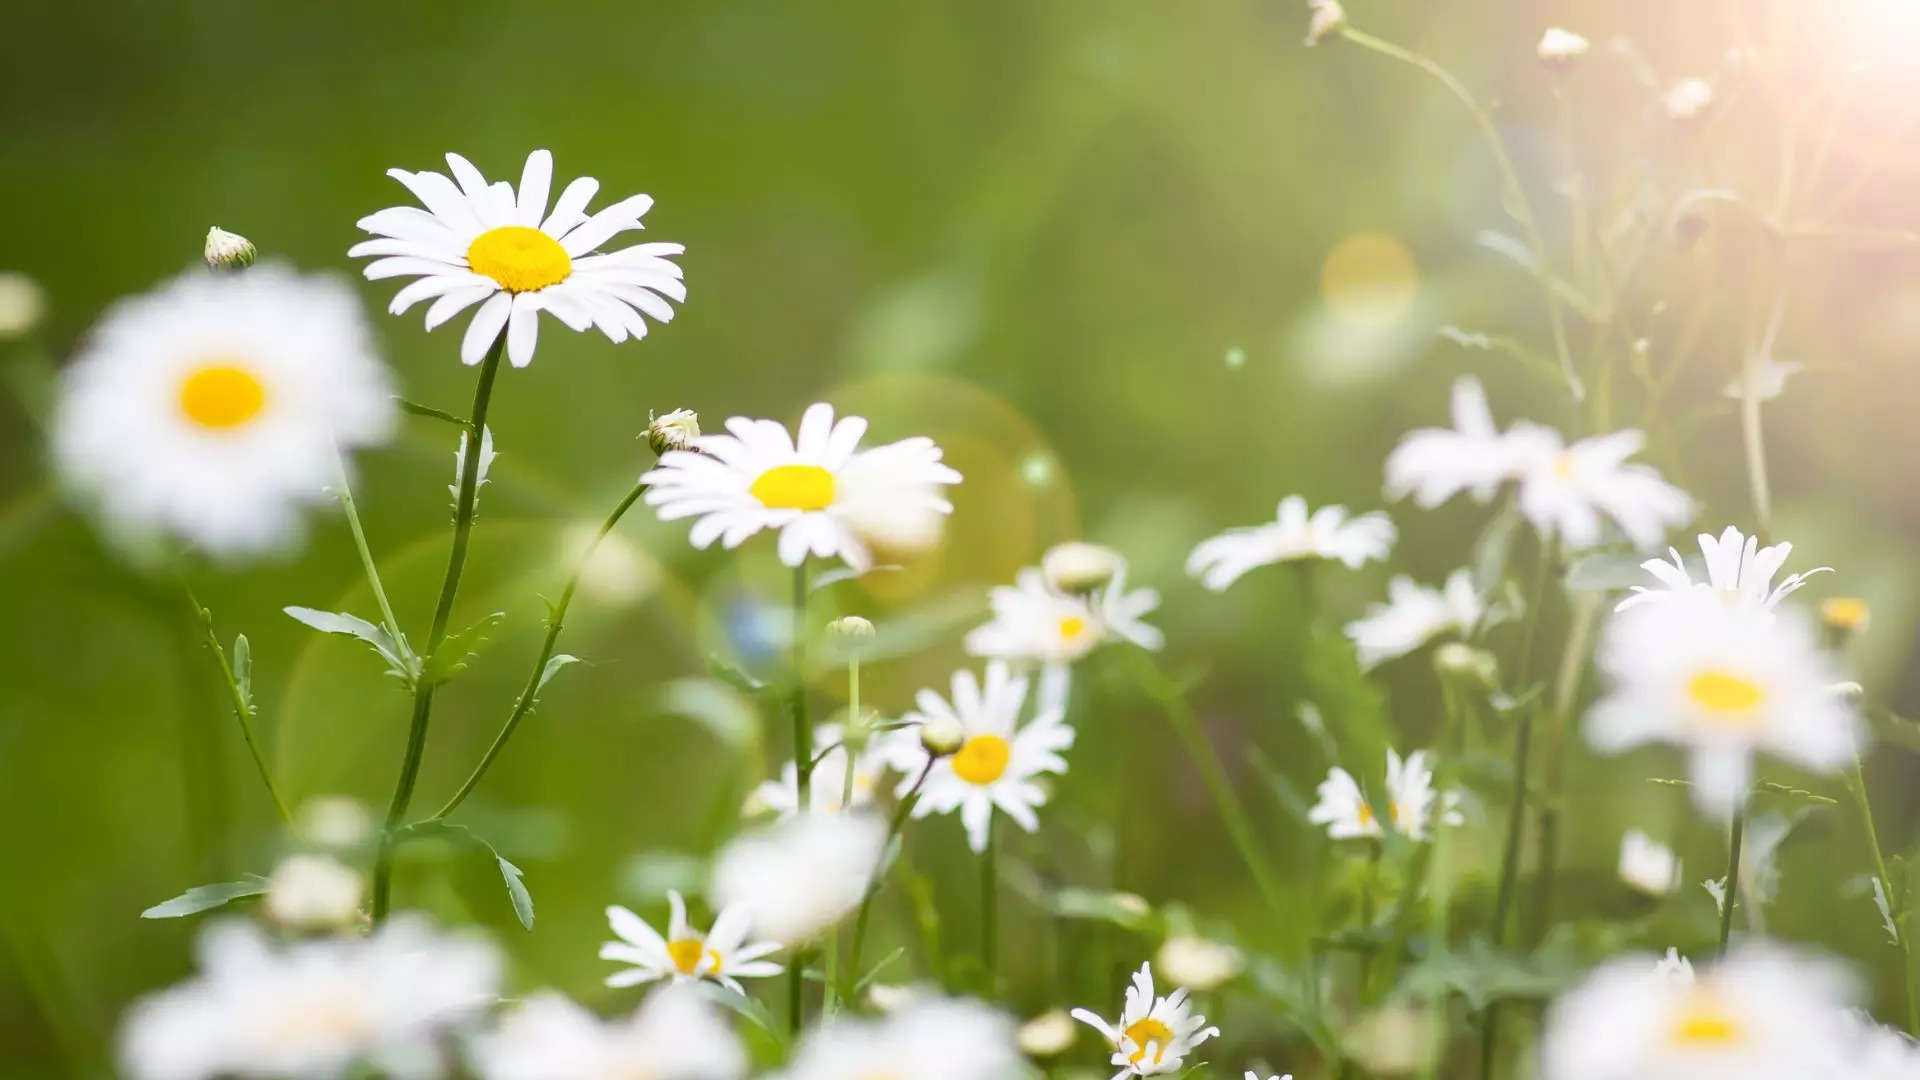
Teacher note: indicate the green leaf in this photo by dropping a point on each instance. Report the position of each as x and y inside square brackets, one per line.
[1529, 359]
[206, 897]
[1492, 551]
[337, 622]
[720, 668]
[716, 704]
[880, 965]
[554, 664]
[848, 573]
[454, 653]
[1606, 571]
[516, 891]
[243, 670]
[745, 1007]
[516, 888]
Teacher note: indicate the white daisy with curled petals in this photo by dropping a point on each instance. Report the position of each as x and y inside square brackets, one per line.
[1739, 571]
[723, 954]
[997, 762]
[1293, 534]
[1154, 1034]
[816, 487]
[501, 247]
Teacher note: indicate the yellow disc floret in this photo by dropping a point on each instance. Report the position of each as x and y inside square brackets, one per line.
[520, 258]
[221, 396]
[794, 487]
[1706, 1022]
[982, 759]
[685, 954]
[1149, 1032]
[1725, 696]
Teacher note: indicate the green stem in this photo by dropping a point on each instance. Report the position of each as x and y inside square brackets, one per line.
[898, 822]
[848, 736]
[1856, 784]
[802, 731]
[1734, 835]
[345, 493]
[1566, 685]
[990, 908]
[796, 992]
[242, 708]
[523, 704]
[449, 588]
[1752, 438]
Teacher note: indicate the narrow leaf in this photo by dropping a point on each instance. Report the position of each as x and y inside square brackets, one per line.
[516, 891]
[1607, 571]
[745, 1007]
[338, 622]
[454, 653]
[206, 897]
[243, 669]
[553, 667]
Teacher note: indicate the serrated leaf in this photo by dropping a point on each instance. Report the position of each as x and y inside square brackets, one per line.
[458, 649]
[554, 664]
[243, 670]
[1607, 571]
[339, 622]
[516, 891]
[206, 897]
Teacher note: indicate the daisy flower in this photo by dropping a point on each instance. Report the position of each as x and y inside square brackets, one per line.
[998, 759]
[1328, 534]
[1722, 683]
[1197, 962]
[928, 1039]
[1739, 571]
[674, 1035]
[723, 954]
[1033, 622]
[782, 796]
[817, 488]
[1413, 615]
[1761, 1012]
[1434, 464]
[1345, 811]
[1647, 865]
[1571, 491]
[798, 877]
[1153, 1034]
[500, 247]
[214, 408]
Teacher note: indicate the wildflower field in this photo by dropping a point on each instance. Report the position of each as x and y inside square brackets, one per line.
[960, 541]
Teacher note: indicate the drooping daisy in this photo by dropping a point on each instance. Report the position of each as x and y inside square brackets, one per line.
[930, 1038]
[782, 795]
[1327, 534]
[1346, 812]
[1647, 865]
[1723, 683]
[1762, 1012]
[1434, 464]
[1571, 491]
[723, 955]
[673, 1035]
[214, 408]
[1154, 1034]
[499, 247]
[1739, 571]
[798, 877]
[1413, 615]
[998, 759]
[814, 487]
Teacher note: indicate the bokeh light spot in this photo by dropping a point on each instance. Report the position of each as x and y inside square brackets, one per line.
[1369, 279]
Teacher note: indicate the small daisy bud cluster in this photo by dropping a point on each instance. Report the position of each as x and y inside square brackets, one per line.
[1079, 567]
[674, 431]
[1560, 48]
[1326, 17]
[227, 250]
[851, 629]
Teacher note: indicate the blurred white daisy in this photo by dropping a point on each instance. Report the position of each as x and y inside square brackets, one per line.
[1413, 615]
[1769, 381]
[782, 795]
[1560, 46]
[930, 1038]
[1761, 1012]
[723, 954]
[1346, 812]
[1739, 571]
[1688, 98]
[1434, 464]
[1571, 491]
[673, 1035]
[999, 758]
[1723, 683]
[212, 407]
[1198, 963]
[1251, 1075]
[318, 1008]
[313, 891]
[499, 247]
[799, 876]
[1674, 967]
[811, 486]
[1153, 1034]
[1647, 865]
[1327, 534]
[1869, 1051]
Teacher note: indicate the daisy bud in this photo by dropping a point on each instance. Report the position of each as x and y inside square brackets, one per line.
[1079, 567]
[1559, 48]
[941, 737]
[1047, 1035]
[1198, 963]
[228, 251]
[1471, 666]
[674, 431]
[22, 302]
[1688, 99]
[850, 630]
[1326, 17]
[313, 892]
[1842, 617]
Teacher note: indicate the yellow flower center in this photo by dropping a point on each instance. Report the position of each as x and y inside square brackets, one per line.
[1146, 1031]
[1563, 466]
[1705, 1022]
[686, 954]
[794, 487]
[1072, 626]
[982, 759]
[1724, 696]
[520, 258]
[1366, 814]
[221, 396]
[1844, 612]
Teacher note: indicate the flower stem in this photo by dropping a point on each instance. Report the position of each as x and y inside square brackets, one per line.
[449, 588]
[1734, 835]
[898, 822]
[344, 491]
[524, 703]
[802, 731]
[1566, 686]
[1856, 784]
[990, 908]
[242, 708]
[848, 736]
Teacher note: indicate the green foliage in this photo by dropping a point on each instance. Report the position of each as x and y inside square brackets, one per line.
[207, 897]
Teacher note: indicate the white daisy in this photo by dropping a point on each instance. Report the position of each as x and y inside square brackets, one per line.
[1722, 682]
[1327, 534]
[673, 1035]
[1688, 98]
[493, 245]
[1869, 1051]
[214, 407]
[1197, 962]
[1434, 464]
[1647, 865]
[1572, 491]
[782, 796]
[313, 891]
[1560, 46]
[723, 954]
[1413, 615]
[813, 487]
[314, 1009]
[1033, 622]
[930, 1038]
[1154, 1034]
[1739, 571]
[997, 762]
[1346, 812]
[798, 877]
[1761, 1012]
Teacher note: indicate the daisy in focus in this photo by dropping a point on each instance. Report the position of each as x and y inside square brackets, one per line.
[1739, 571]
[999, 758]
[823, 494]
[216, 408]
[798, 877]
[723, 954]
[782, 795]
[1346, 812]
[1293, 534]
[1413, 615]
[1722, 683]
[1153, 1034]
[929, 1038]
[500, 247]
[674, 1035]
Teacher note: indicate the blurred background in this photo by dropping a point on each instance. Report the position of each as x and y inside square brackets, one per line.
[1140, 269]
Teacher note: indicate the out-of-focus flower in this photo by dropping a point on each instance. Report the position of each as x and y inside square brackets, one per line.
[1323, 18]
[1048, 1035]
[1569, 491]
[673, 1035]
[22, 303]
[1869, 1051]
[1153, 1035]
[1769, 381]
[228, 251]
[1345, 811]
[723, 955]
[1079, 567]
[1035, 623]
[1722, 682]
[809, 487]
[1327, 534]
[336, 822]
[1648, 865]
[1688, 99]
[313, 892]
[493, 245]
[997, 763]
[828, 783]
[1844, 614]
[1198, 963]
[1559, 48]
[1674, 968]
[930, 1039]
[798, 877]
[1434, 464]
[211, 408]
[675, 431]
[316, 1008]
[1459, 660]
[1413, 615]
[1739, 572]
[1392, 1040]
[892, 997]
